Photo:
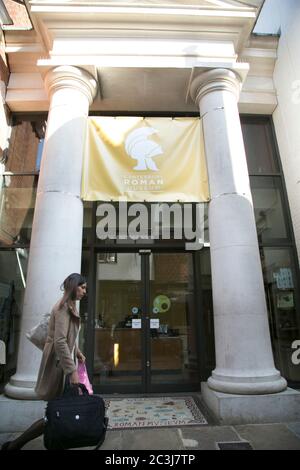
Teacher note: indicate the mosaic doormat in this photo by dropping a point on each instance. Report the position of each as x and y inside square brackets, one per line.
[130, 413]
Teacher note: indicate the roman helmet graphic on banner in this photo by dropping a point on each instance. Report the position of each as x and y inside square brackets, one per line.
[144, 159]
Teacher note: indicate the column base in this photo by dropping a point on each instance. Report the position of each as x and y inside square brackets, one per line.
[252, 409]
[20, 389]
[264, 385]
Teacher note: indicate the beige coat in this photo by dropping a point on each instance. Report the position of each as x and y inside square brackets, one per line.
[59, 354]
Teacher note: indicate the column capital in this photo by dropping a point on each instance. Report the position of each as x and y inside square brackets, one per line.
[66, 76]
[215, 80]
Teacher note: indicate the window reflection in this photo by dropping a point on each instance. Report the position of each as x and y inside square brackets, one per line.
[268, 208]
[17, 201]
[174, 356]
[259, 145]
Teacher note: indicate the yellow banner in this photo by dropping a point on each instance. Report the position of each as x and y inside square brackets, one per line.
[144, 159]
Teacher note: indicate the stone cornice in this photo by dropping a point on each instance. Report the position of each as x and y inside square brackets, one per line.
[141, 5]
[132, 53]
[73, 20]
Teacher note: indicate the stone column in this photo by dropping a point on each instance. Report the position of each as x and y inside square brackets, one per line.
[244, 359]
[55, 248]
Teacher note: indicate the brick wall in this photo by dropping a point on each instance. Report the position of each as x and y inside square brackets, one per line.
[18, 14]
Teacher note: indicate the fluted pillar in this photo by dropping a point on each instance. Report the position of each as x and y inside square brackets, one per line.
[244, 359]
[56, 241]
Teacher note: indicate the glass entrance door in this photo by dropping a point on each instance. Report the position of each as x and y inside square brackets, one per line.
[173, 325]
[145, 335]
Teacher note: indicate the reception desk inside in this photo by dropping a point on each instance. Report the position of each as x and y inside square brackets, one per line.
[120, 350]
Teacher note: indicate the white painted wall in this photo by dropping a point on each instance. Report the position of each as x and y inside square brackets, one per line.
[285, 15]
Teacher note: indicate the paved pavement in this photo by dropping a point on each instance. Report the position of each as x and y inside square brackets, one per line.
[278, 436]
[281, 436]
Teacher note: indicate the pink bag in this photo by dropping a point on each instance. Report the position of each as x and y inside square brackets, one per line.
[83, 377]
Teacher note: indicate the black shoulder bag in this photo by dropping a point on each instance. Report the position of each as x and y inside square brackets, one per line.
[75, 420]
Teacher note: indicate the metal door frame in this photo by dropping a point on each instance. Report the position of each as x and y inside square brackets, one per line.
[146, 386]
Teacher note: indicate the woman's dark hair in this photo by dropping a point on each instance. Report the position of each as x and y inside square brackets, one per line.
[69, 286]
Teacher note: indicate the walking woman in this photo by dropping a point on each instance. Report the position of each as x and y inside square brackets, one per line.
[60, 353]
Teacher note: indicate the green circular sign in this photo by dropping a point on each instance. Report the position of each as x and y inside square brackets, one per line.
[162, 303]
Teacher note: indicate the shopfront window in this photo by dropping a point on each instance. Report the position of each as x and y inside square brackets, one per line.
[13, 270]
[282, 299]
[276, 241]
[18, 185]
